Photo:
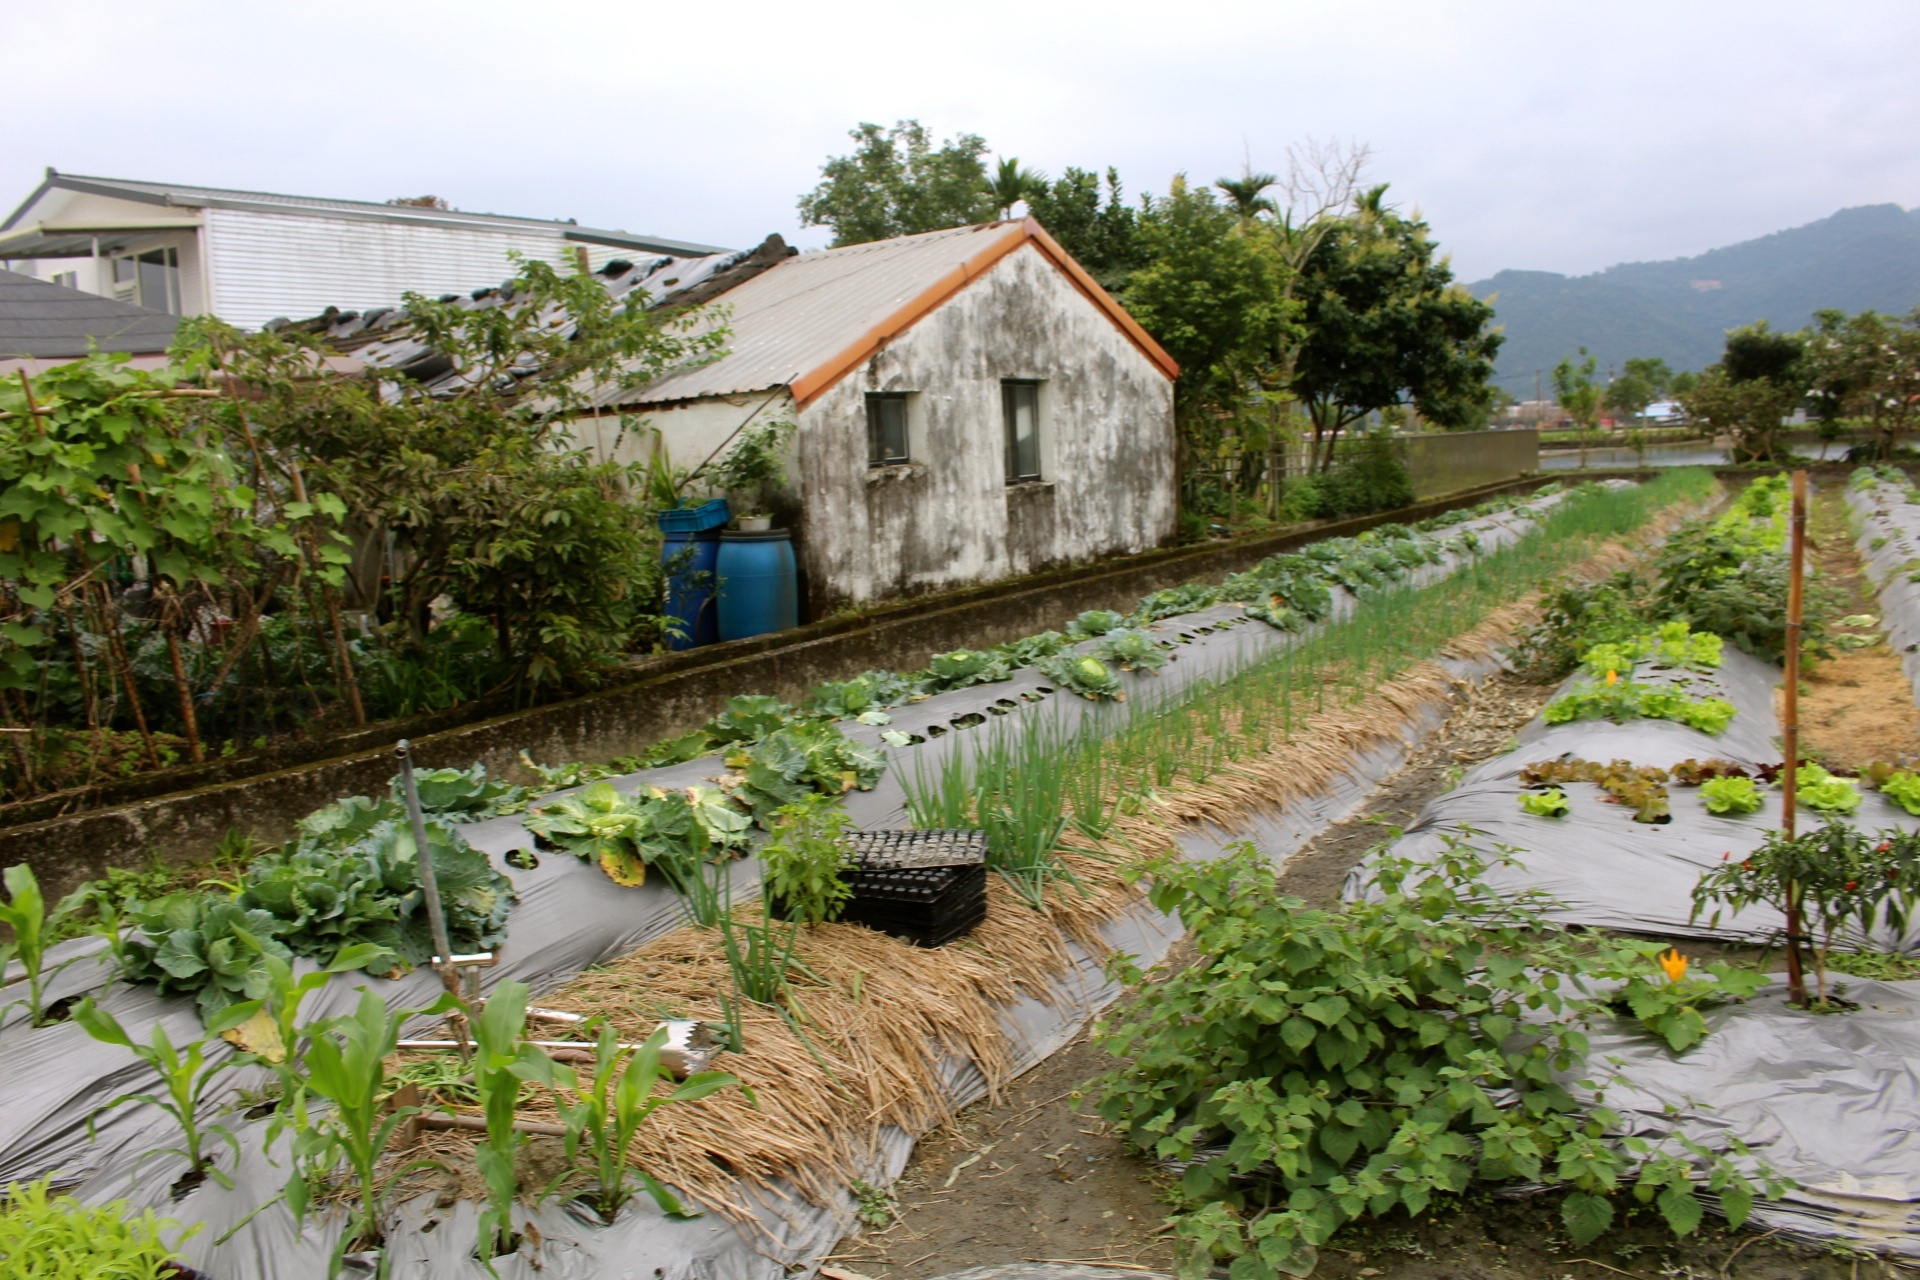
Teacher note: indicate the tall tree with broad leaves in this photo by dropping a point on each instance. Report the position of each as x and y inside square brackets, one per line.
[1866, 367]
[1100, 233]
[1761, 376]
[1386, 324]
[897, 183]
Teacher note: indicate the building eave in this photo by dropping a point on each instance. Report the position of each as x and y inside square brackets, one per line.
[811, 385]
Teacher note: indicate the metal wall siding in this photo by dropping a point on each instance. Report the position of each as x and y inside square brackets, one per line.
[267, 265]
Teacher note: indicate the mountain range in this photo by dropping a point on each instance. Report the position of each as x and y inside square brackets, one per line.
[1864, 258]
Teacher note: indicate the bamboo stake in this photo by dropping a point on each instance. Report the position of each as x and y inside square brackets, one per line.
[116, 647]
[1790, 724]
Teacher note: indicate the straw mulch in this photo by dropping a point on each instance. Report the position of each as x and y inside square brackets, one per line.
[876, 1025]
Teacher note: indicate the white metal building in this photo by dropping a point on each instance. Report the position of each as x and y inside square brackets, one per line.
[249, 257]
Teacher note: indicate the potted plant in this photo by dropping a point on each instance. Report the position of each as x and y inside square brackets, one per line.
[752, 468]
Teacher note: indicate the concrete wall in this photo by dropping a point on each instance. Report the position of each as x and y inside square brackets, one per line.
[1446, 461]
[949, 517]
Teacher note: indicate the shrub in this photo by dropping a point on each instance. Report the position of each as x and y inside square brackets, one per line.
[803, 860]
[1318, 1066]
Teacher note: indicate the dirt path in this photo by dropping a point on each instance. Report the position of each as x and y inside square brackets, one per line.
[1036, 1176]
[1858, 707]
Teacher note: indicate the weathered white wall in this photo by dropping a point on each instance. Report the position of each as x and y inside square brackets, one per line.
[949, 518]
[265, 265]
[691, 432]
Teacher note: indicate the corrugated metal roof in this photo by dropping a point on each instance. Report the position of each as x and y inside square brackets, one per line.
[52, 322]
[185, 196]
[800, 315]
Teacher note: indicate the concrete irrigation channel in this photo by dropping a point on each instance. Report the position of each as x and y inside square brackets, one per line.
[570, 919]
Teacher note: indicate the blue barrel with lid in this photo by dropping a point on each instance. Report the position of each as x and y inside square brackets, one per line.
[759, 583]
[691, 554]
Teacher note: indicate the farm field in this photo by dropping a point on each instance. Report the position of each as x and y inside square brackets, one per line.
[1354, 716]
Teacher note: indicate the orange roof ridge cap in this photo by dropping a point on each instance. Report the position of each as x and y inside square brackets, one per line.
[1011, 235]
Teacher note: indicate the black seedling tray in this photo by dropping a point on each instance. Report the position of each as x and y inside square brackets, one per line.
[927, 906]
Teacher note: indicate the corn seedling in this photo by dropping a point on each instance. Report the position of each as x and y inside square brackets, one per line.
[503, 1061]
[612, 1106]
[345, 1063]
[26, 915]
[187, 1074]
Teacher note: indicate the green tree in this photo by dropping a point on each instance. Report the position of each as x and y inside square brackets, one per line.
[897, 183]
[477, 482]
[1576, 392]
[1102, 235]
[1866, 367]
[1245, 194]
[1642, 380]
[1385, 324]
[1011, 184]
[1761, 376]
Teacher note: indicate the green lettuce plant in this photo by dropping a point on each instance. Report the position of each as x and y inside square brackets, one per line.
[1730, 796]
[611, 1106]
[1820, 791]
[1624, 700]
[1903, 789]
[1550, 803]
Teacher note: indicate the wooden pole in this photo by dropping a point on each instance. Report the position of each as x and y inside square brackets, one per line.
[1790, 723]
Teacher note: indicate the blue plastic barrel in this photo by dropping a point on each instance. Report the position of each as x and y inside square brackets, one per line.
[690, 581]
[759, 588]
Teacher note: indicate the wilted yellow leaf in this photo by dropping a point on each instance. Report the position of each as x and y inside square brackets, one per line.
[260, 1035]
[624, 868]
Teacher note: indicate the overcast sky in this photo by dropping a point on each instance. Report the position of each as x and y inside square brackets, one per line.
[1560, 137]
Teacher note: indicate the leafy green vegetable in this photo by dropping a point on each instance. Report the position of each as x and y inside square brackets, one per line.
[49, 1237]
[195, 944]
[678, 831]
[1318, 1066]
[1820, 791]
[1670, 1008]
[804, 860]
[1551, 803]
[1903, 788]
[868, 691]
[1086, 676]
[1174, 600]
[1132, 650]
[963, 668]
[1094, 622]
[1624, 701]
[748, 718]
[462, 795]
[1026, 652]
[1730, 796]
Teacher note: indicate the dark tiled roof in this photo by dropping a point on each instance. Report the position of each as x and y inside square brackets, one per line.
[52, 322]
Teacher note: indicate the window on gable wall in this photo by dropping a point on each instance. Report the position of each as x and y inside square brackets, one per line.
[1022, 400]
[886, 428]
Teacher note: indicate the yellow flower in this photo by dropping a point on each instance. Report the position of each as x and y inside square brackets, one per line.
[1613, 677]
[1675, 965]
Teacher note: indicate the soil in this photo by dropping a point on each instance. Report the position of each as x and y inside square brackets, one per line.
[1857, 707]
[1065, 1187]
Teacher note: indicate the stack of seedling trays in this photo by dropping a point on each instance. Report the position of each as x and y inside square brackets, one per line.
[928, 887]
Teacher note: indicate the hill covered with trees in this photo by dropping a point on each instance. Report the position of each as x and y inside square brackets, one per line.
[1860, 259]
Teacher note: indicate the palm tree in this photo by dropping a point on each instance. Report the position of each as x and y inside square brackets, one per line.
[1011, 184]
[1245, 191]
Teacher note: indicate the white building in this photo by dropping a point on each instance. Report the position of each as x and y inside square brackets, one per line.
[970, 406]
[249, 257]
